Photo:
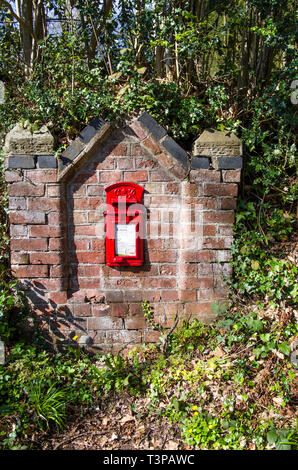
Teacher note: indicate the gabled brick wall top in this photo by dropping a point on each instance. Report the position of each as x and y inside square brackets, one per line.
[57, 229]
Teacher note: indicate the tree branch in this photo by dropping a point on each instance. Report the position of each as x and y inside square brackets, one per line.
[20, 20]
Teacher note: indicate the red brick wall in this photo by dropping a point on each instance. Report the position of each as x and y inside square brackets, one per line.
[58, 243]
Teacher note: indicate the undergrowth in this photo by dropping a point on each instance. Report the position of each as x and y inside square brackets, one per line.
[228, 385]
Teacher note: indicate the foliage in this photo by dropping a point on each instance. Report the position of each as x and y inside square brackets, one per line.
[192, 65]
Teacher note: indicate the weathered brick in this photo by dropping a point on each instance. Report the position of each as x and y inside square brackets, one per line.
[86, 178]
[221, 189]
[138, 130]
[45, 258]
[205, 176]
[29, 244]
[125, 163]
[231, 176]
[27, 217]
[136, 176]
[227, 203]
[135, 323]
[37, 231]
[13, 175]
[160, 175]
[18, 231]
[110, 177]
[58, 297]
[119, 310]
[82, 310]
[219, 217]
[123, 336]
[42, 176]
[43, 204]
[29, 271]
[19, 258]
[26, 189]
[104, 323]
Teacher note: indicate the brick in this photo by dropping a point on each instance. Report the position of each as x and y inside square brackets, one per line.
[38, 231]
[223, 256]
[55, 218]
[86, 178]
[104, 323]
[95, 190]
[147, 163]
[30, 271]
[229, 162]
[165, 160]
[26, 189]
[138, 130]
[79, 217]
[166, 256]
[200, 163]
[133, 296]
[175, 150]
[199, 308]
[28, 244]
[58, 297]
[89, 131]
[77, 190]
[119, 310]
[135, 323]
[42, 176]
[18, 203]
[12, 175]
[219, 217]
[205, 176]
[196, 283]
[110, 177]
[43, 204]
[124, 336]
[160, 175]
[116, 149]
[26, 217]
[189, 189]
[82, 310]
[21, 161]
[125, 163]
[151, 336]
[231, 176]
[169, 295]
[100, 310]
[151, 145]
[85, 230]
[138, 150]
[57, 271]
[227, 203]
[222, 189]
[90, 257]
[19, 258]
[45, 258]
[136, 176]
[54, 190]
[187, 295]
[201, 256]
[47, 161]
[107, 164]
[98, 244]
[151, 125]
[18, 231]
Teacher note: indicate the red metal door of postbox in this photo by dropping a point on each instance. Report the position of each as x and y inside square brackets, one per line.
[124, 225]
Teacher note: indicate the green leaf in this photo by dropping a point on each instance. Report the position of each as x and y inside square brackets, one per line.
[284, 348]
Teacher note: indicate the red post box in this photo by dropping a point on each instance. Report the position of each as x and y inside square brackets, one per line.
[125, 218]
